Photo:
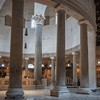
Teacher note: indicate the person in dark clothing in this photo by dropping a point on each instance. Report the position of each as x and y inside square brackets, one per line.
[78, 81]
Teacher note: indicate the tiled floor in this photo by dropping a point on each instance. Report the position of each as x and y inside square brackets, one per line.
[45, 95]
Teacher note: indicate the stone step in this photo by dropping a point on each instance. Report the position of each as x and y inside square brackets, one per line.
[84, 91]
[39, 87]
[96, 91]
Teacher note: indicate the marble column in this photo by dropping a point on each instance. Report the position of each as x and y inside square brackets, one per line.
[38, 49]
[26, 67]
[15, 90]
[84, 71]
[60, 89]
[52, 71]
[92, 59]
[74, 69]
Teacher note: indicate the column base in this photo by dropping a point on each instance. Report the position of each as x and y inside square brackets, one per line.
[75, 84]
[44, 81]
[51, 86]
[96, 91]
[59, 91]
[14, 93]
[84, 91]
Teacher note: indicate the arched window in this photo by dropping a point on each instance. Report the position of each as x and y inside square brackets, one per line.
[8, 20]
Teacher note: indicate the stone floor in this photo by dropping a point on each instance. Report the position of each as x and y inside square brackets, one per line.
[44, 94]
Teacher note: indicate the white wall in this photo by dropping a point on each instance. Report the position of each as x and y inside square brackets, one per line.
[48, 37]
[72, 33]
[5, 38]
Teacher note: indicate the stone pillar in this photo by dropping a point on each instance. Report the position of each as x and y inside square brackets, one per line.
[60, 89]
[15, 90]
[38, 49]
[74, 69]
[84, 72]
[92, 59]
[26, 67]
[52, 71]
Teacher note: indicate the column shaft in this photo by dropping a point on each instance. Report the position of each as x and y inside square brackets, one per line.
[26, 67]
[60, 64]
[38, 55]
[92, 59]
[74, 69]
[15, 79]
[84, 74]
[52, 71]
[60, 87]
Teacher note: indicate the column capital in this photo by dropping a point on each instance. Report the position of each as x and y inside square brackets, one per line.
[59, 7]
[83, 21]
[38, 18]
[61, 10]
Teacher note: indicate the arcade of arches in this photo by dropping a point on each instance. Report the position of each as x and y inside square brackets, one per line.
[48, 43]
